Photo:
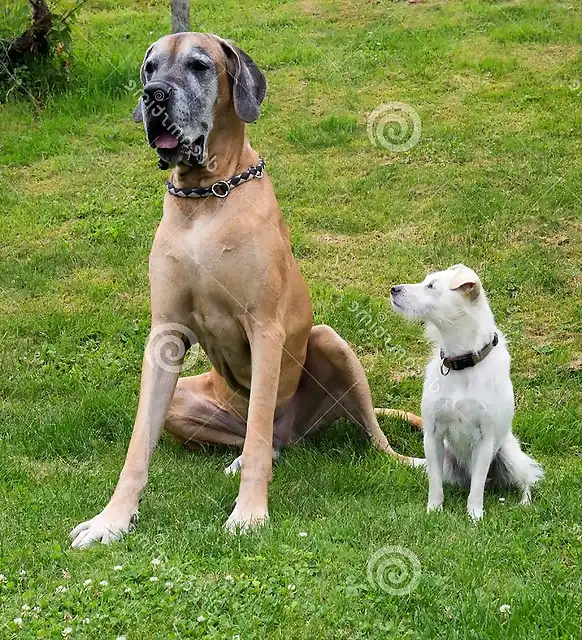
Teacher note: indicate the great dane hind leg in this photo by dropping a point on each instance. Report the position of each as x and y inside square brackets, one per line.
[157, 387]
[251, 507]
[338, 371]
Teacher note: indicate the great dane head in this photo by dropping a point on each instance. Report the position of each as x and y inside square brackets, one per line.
[192, 84]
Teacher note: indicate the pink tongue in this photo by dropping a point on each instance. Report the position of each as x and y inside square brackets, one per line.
[166, 141]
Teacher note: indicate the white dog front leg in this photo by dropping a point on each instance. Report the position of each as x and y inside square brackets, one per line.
[434, 453]
[480, 463]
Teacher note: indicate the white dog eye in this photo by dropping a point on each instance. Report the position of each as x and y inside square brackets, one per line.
[430, 285]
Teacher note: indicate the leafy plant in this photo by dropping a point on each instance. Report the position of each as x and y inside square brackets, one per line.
[35, 48]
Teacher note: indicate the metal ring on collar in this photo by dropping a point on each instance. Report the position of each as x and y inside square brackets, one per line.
[220, 189]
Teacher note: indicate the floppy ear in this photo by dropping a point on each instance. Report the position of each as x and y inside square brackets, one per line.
[137, 114]
[467, 283]
[249, 83]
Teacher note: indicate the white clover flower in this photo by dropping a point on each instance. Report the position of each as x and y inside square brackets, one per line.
[118, 567]
[229, 578]
[154, 579]
[156, 562]
[120, 638]
[291, 587]
[303, 534]
[2, 578]
[505, 608]
[87, 582]
[61, 589]
[201, 618]
[86, 620]
[501, 499]
[104, 583]
[236, 637]
[36, 609]
[67, 631]
[169, 585]
[26, 607]
[127, 590]
[22, 572]
[18, 622]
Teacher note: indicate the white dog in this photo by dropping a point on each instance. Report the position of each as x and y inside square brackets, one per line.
[467, 400]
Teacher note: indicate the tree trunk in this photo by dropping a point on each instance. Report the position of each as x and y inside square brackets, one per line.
[33, 40]
[180, 15]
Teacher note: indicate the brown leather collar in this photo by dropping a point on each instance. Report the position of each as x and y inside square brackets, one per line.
[458, 363]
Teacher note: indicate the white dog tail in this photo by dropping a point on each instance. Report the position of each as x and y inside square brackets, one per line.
[511, 466]
[412, 419]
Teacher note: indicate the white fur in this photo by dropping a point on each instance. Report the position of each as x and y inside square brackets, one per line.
[467, 414]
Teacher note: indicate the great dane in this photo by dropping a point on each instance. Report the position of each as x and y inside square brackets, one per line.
[222, 272]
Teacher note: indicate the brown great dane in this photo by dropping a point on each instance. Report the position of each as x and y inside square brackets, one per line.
[222, 273]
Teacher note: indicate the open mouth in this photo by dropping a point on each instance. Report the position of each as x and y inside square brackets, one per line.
[395, 304]
[192, 153]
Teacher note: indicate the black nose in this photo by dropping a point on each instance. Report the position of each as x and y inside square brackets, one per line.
[158, 92]
[396, 290]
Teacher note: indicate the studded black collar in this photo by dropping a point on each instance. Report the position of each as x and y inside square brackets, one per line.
[221, 188]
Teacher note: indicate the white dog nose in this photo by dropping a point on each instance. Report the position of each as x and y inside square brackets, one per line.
[395, 290]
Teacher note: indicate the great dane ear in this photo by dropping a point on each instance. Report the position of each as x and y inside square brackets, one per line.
[137, 114]
[249, 83]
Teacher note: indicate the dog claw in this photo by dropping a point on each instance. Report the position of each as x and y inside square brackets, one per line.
[105, 528]
[244, 520]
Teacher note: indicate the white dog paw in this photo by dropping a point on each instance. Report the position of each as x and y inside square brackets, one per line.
[243, 519]
[475, 513]
[525, 497]
[107, 527]
[433, 507]
[234, 467]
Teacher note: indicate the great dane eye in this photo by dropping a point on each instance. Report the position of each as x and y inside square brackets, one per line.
[197, 65]
[149, 67]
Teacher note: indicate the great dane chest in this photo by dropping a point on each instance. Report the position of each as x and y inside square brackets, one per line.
[217, 275]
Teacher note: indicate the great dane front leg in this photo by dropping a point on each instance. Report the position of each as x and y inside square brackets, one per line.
[257, 465]
[157, 387]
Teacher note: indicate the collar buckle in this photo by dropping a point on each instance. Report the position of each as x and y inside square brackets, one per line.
[220, 189]
[445, 368]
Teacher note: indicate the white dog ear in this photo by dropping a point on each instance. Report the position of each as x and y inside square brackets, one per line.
[466, 282]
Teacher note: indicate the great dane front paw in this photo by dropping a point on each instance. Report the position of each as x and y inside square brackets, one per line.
[244, 519]
[107, 527]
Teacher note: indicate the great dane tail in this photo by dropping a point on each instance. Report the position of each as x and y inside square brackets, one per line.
[413, 420]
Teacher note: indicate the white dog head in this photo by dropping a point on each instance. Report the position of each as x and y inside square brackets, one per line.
[441, 298]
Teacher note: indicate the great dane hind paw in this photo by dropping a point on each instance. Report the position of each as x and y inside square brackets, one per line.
[234, 467]
[242, 520]
[105, 527]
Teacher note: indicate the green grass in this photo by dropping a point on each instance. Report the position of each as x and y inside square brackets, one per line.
[494, 182]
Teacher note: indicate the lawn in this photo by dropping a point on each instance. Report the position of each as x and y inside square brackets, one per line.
[494, 182]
